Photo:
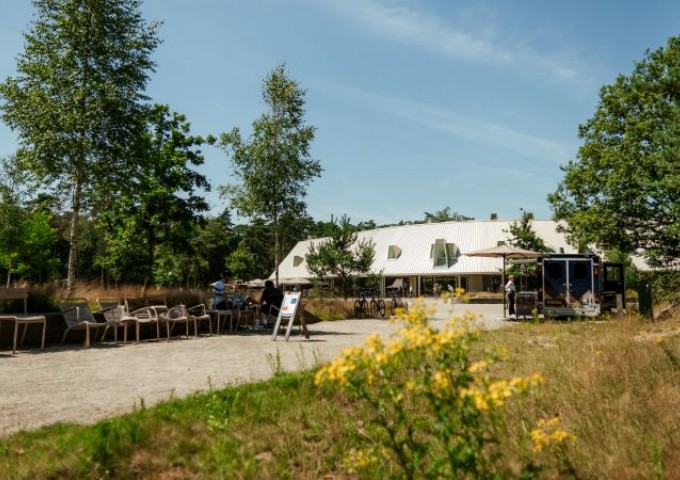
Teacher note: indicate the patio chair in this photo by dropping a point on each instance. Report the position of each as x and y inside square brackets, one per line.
[78, 316]
[200, 314]
[146, 315]
[175, 315]
[113, 310]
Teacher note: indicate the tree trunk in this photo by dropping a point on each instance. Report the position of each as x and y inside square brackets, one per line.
[73, 234]
[277, 247]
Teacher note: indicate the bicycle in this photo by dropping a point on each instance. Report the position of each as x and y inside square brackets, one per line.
[396, 302]
[361, 305]
[377, 306]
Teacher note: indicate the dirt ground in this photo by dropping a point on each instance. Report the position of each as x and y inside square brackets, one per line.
[73, 384]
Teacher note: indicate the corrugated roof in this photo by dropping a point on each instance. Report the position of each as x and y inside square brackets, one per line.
[415, 242]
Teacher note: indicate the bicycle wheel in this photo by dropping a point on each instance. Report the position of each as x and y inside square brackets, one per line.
[374, 309]
[357, 309]
[381, 308]
[393, 306]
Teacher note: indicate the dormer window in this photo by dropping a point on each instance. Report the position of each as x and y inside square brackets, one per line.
[393, 252]
[443, 254]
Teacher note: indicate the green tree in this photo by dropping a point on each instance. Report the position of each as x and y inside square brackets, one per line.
[242, 262]
[161, 202]
[445, 215]
[341, 255]
[13, 218]
[274, 167]
[77, 99]
[623, 190]
[523, 236]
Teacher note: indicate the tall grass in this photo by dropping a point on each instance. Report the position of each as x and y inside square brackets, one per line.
[613, 385]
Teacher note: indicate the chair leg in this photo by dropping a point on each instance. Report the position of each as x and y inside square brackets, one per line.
[16, 331]
[87, 336]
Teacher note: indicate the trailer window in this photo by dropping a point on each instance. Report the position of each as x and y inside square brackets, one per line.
[581, 270]
[554, 270]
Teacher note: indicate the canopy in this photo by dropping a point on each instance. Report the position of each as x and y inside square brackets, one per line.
[504, 251]
[295, 281]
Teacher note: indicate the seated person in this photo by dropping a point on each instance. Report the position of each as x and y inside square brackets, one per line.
[271, 297]
[219, 289]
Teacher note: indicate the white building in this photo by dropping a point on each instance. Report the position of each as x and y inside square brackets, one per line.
[426, 253]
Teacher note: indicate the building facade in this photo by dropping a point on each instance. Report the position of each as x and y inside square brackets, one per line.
[423, 255]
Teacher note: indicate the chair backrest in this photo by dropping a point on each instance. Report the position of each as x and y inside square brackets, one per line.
[75, 311]
[178, 312]
[108, 303]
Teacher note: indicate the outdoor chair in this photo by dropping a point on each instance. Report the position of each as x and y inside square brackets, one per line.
[78, 316]
[175, 315]
[113, 310]
[200, 314]
[146, 315]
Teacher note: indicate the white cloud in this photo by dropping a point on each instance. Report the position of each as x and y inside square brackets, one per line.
[402, 21]
[465, 128]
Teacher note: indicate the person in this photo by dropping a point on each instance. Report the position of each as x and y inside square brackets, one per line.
[271, 297]
[511, 291]
[219, 290]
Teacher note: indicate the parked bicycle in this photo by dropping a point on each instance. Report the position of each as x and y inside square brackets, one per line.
[396, 301]
[363, 307]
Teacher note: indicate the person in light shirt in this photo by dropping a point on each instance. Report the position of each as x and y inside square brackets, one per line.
[219, 290]
[511, 291]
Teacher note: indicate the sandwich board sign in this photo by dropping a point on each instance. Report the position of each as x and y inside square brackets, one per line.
[289, 308]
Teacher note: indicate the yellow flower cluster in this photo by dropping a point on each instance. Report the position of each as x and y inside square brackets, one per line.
[487, 394]
[357, 460]
[547, 432]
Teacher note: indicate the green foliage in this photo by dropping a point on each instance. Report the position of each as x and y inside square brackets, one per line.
[157, 208]
[622, 192]
[274, 167]
[445, 215]
[523, 236]
[242, 262]
[341, 255]
[26, 237]
[77, 98]
[433, 409]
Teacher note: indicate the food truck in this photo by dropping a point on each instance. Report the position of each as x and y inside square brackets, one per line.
[576, 285]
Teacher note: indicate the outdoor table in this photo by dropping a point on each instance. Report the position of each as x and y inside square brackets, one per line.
[25, 320]
[219, 315]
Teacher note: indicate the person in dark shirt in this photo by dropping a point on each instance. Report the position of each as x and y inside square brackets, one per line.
[271, 297]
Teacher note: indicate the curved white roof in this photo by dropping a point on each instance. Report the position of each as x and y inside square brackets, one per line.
[415, 243]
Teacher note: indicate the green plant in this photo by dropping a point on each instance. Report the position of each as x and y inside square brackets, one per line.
[432, 407]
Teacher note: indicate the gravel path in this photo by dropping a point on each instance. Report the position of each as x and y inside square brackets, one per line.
[72, 384]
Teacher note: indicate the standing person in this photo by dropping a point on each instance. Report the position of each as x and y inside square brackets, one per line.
[511, 291]
[271, 297]
[219, 289]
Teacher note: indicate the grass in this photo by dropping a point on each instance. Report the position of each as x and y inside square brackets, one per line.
[614, 385]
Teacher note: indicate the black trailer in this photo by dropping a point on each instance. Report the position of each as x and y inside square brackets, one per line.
[576, 285]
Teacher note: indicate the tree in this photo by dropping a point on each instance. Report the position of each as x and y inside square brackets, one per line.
[274, 167]
[13, 221]
[523, 236]
[160, 203]
[77, 99]
[623, 190]
[341, 255]
[445, 215]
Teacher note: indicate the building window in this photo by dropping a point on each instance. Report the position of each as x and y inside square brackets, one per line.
[297, 260]
[393, 252]
[443, 254]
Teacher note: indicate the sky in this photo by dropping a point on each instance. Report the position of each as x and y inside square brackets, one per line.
[418, 105]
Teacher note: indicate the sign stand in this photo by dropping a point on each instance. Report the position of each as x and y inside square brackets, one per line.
[289, 308]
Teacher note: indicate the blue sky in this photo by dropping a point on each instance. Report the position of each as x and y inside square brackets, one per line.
[418, 105]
